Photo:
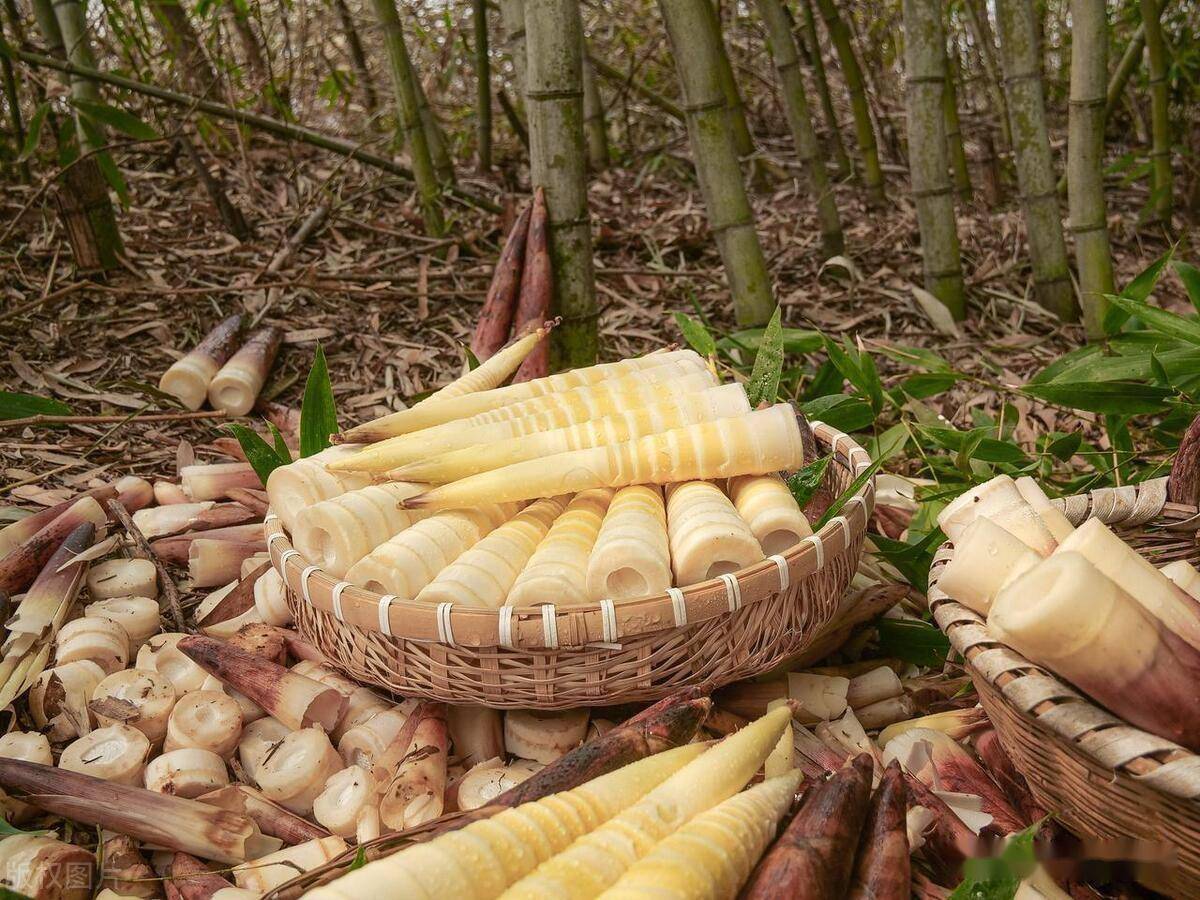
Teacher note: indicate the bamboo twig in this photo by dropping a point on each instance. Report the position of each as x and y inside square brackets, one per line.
[83, 420]
[166, 583]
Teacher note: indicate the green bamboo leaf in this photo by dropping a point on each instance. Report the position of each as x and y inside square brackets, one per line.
[318, 413]
[262, 456]
[1190, 276]
[20, 406]
[1063, 448]
[768, 364]
[1138, 290]
[840, 411]
[806, 482]
[1159, 320]
[8, 830]
[914, 642]
[696, 335]
[999, 877]
[855, 486]
[33, 136]
[117, 119]
[281, 447]
[1112, 397]
[795, 340]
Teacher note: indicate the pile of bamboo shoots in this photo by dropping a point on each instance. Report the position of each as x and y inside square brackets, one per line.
[223, 368]
[1081, 602]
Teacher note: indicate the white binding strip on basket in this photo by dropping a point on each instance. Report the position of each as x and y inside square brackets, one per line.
[733, 591]
[608, 621]
[859, 466]
[385, 620]
[287, 554]
[277, 536]
[504, 626]
[337, 600]
[845, 523]
[270, 517]
[819, 546]
[445, 631]
[785, 577]
[859, 500]
[308, 570]
[678, 606]
[549, 626]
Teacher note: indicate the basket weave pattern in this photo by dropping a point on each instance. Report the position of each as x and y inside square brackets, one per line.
[1100, 776]
[549, 657]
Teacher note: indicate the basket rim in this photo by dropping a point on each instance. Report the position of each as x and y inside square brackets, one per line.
[1041, 698]
[594, 625]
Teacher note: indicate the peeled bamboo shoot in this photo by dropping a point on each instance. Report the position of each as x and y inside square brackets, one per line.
[137, 615]
[1001, 501]
[122, 578]
[365, 743]
[557, 571]
[1060, 526]
[30, 746]
[186, 773]
[58, 700]
[268, 872]
[235, 388]
[205, 720]
[707, 536]
[161, 654]
[308, 481]
[544, 736]
[294, 772]
[986, 558]
[415, 794]
[768, 507]
[483, 575]
[135, 697]
[42, 868]
[763, 441]
[337, 533]
[1184, 575]
[117, 753]
[361, 703]
[631, 557]
[102, 641]
[188, 378]
[211, 482]
[346, 794]
[494, 370]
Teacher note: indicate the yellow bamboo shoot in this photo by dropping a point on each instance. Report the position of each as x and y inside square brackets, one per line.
[631, 557]
[425, 415]
[479, 861]
[337, 533]
[485, 573]
[495, 370]
[708, 538]
[599, 858]
[545, 413]
[986, 558]
[767, 440]
[1174, 607]
[768, 507]
[711, 856]
[308, 481]
[407, 562]
[715, 403]
[557, 571]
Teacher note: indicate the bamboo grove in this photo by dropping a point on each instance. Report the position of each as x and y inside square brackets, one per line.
[1041, 105]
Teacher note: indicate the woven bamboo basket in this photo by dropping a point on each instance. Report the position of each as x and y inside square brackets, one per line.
[548, 657]
[1100, 776]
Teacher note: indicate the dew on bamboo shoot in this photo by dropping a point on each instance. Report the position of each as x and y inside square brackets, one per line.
[557, 571]
[187, 772]
[763, 441]
[135, 697]
[543, 736]
[271, 818]
[986, 558]
[205, 720]
[631, 557]
[337, 533]
[687, 409]
[22, 565]
[308, 481]
[486, 856]
[122, 578]
[43, 868]
[188, 378]
[1134, 574]
[31, 746]
[491, 778]
[406, 563]
[137, 615]
[58, 700]
[116, 753]
[548, 413]
[882, 866]
[416, 791]
[101, 640]
[1184, 576]
[268, 872]
[1064, 614]
[236, 386]
[492, 372]
[707, 536]
[258, 739]
[211, 482]
[428, 414]
[161, 654]
[484, 574]
[293, 699]
[294, 772]
[766, 504]
[476, 732]
[341, 802]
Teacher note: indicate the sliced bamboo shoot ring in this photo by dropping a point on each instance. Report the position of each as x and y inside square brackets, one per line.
[294, 773]
[162, 654]
[117, 753]
[205, 720]
[347, 793]
[543, 736]
[135, 697]
[31, 746]
[102, 641]
[258, 739]
[186, 773]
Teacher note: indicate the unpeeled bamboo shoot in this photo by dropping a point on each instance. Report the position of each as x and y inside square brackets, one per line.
[135, 697]
[494, 370]
[406, 563]
[18, 532]
[205, 720]
[557, 571]
[188, 378]
[308, 481]
[687, 409]
[235, 388]
[361, 703]
[492, 327]
[711, 856]
[58, 700]
[707, 536]
[599, 858]
[986, 558]
[294, 772]
[337, 533]
[484, 574]
[631, 557]
[486, 856]
[211, 482]
[529, 417]
[415, 794]
[116, 753]
[426, 415]
[766, 504]
[42, 868]
[1066, 615]
[186, 773]
[759, 442]
[1184, 576]
[1133, 573]
[22, 565]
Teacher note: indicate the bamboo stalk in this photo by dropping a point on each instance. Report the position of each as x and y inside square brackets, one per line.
[594, 129]
[811, 43]
[512, 14]
[981, 30]
[735, 109]
[483, 85]
[954, 137]
[1130, 60]
[1161, 183]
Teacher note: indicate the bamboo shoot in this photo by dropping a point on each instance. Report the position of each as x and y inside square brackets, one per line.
[234, 389]
[337, 533]
[707, 536]
[631, 557]
[766, 504]
[986, 558]
[188, 378]
[557, 571]
[306, 482]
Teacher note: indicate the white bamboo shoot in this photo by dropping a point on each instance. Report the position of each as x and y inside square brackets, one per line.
[631, 557]
[187, 773]
[986, 558]
[337, 533]
[557, 571]
[707, 536]
[122, 578]
[115, 753]
[308, 481]
[205, 720]
[135, 697]
[1184, 576]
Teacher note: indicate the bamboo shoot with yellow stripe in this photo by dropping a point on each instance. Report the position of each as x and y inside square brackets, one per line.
[545, 413]
[484, 574]
[308, 481]
[427, 414]
[337, 533]
[599, 858]
[494, 370]
[482, 859]
[768, 507]
[715, 403]
[766, 440]
[711, 856]
[707, 536]
[409, 561]
[557, 571]
[631, 557]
